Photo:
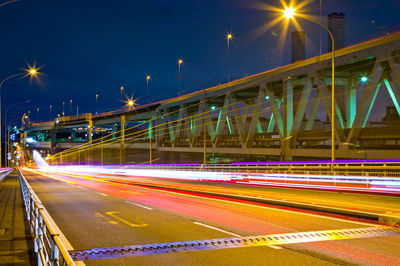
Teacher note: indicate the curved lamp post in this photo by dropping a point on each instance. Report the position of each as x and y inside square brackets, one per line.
[290, 13]
[30, 72]
[7, 126]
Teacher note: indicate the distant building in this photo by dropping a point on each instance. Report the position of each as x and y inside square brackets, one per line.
[298, 46]
[336, 26]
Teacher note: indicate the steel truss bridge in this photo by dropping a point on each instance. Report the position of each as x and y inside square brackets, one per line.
[272, 113]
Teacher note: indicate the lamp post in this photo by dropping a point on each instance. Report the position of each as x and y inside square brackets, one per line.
[8, 141]
[32, 71]
[229, 36]
[97, 96]
[63, 108]
[147, 87]
[51, 106]
[70, 107]
[290, 13]
[204, 120]
[180, 61]
[7, 133]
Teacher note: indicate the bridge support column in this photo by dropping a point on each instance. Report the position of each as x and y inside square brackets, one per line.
[122, 148]
[351, 105]
[114, 129]
[122, 131]
[53, 137]
[90, 130]
[287, 119]
[73, 135]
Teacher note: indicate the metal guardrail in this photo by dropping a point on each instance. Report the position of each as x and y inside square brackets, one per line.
[4, 172]
[47, 243]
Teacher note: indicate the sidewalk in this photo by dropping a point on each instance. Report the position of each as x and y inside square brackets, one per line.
[16, 246]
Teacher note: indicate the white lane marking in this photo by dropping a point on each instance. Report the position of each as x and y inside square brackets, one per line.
[79, 187]
[139, 205]
[217, 229]
[271, 208]
[102, 194]
[275, 247]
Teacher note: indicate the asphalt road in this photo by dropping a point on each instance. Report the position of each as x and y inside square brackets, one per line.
[95, 214]
[356, 201]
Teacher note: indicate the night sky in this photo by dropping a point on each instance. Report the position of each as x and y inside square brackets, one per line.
[89, 47]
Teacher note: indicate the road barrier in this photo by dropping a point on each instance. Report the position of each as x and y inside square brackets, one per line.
[47, 243]
[4, 172]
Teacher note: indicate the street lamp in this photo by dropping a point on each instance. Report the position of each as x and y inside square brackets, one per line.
[180, 61]
[289, 13]
[8, 143]
[204, 111]
[32, 72]
[63, 108]
[147, 84]
[70, 107]
[97, 96]
[7, 133]
[51, 106]
[229, 36]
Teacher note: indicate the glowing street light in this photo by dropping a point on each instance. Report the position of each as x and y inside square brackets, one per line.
[180, 61]
[147, 87]
[97, 96]
[289, 13]
[32, 72]
[229, 37]
[364, 79]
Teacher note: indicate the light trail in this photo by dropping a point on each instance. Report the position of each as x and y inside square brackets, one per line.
[368, 184]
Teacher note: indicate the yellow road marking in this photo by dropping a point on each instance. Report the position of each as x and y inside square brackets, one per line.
[106, 218]
[139, 224]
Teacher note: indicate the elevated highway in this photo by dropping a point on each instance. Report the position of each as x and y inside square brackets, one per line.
[283, 112]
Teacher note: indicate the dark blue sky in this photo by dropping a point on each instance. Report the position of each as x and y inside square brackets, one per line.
[88, 47]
